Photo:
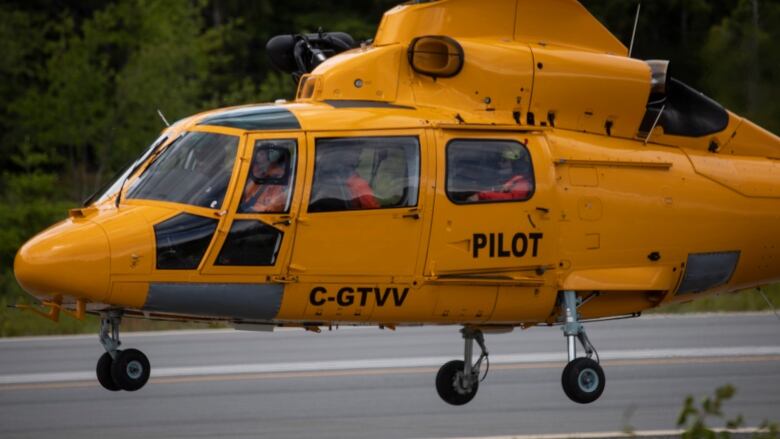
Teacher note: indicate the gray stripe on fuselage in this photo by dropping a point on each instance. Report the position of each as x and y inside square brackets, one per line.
[239, 301]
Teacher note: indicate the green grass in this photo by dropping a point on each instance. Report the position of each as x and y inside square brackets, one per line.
[14, 322]
[748, 300]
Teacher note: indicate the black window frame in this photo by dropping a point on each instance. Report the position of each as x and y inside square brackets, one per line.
[416, 138]
[447, 169]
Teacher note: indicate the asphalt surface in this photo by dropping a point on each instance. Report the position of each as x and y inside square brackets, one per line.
[365, 382]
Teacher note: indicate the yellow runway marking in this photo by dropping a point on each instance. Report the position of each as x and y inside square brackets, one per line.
[390, 371]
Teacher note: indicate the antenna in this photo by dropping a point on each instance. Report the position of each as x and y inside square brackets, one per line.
[658, 118]
[633, 34]
[162, 116]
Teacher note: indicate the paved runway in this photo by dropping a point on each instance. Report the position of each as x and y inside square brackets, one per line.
[363, 382]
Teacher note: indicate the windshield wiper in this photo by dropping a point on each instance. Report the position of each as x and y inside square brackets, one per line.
[106, 187]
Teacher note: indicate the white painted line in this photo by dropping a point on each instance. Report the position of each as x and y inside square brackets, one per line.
[616, 434]
[395, 363]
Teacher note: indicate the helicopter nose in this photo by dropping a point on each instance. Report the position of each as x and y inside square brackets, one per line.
[70, 258]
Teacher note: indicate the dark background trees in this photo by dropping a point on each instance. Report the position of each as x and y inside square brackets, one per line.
[81, 80]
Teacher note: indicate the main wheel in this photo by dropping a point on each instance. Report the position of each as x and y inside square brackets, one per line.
[130, 370]
[450, 386]
[583, 380]
[104, 372]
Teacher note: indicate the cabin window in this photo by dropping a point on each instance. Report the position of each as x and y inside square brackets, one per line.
[182, 241]
[271, 174]
[488, 171]
[250, 243]
[359, 173]
[195, 170]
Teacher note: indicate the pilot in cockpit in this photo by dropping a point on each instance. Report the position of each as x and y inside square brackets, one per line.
[267, 186]
[513, 172]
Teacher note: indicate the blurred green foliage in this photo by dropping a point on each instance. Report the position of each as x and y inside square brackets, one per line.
[81, 81]
[726, 48]
[695, 418]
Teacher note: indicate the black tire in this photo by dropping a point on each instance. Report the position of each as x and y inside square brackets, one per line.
[104, 373]
[446, 387]
[583, 380]
[130, 370]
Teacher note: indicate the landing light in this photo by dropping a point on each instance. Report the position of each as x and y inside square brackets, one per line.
[436, 56]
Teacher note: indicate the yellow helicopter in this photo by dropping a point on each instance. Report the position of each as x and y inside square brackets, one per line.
[492, 165]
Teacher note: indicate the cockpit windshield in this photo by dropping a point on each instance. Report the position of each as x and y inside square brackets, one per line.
[195, 169]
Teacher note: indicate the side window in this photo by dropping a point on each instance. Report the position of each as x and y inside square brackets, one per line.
[365, 173]
[271, 174]
[250, 243]
[484, 171]
[182, 241]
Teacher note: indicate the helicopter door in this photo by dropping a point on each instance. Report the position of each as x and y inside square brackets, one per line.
[492, 201]
[256, 236]
[363, 206]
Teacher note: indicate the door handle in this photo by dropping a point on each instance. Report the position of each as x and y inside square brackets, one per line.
[284, 279]
[284, 221]
[413, 214]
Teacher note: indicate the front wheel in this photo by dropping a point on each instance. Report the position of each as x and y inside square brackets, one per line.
[583, 380]
[451, 385]
[130, 369]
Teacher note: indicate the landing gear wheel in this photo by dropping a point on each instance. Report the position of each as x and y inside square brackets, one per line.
[130, 370]
[450, 385]
[104, 373]
[583, 380]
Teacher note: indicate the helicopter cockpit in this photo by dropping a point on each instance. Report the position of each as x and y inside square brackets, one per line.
[232, 186]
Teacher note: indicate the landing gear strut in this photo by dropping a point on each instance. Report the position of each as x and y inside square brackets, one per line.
[457, 381]
[583, 378]
[119, 369]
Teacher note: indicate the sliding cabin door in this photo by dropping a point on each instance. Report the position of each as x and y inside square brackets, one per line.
[364, 206]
